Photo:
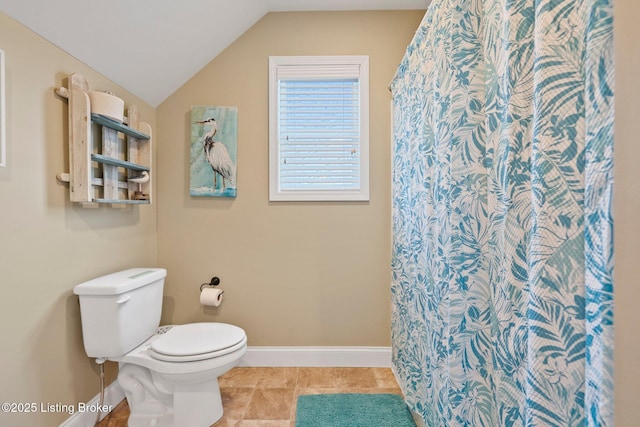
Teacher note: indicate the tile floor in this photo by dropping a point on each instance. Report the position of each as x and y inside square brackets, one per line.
[266, 397]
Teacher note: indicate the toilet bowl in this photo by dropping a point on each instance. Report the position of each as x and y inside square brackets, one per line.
[172, 378]
[169, 374]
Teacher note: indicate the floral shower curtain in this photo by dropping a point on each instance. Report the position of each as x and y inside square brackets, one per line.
[502, 184]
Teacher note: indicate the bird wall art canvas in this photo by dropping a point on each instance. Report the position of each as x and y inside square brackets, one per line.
[214, 151]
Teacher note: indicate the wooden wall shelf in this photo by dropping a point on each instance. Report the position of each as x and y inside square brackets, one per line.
[100, 168]
[120, 127]
[117, 162]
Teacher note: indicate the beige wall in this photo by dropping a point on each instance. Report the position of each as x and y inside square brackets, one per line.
[294, 273]
[627, 214]
[47, 244]
[327, 261]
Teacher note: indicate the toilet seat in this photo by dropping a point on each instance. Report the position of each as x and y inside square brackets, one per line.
[197, 341]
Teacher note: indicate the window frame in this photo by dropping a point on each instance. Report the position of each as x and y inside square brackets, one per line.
[309, 63]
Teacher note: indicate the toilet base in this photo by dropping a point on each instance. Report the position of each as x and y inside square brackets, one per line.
[200, 405]
[156, 403]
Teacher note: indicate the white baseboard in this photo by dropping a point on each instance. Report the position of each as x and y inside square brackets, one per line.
[367, 357]
[113, 394]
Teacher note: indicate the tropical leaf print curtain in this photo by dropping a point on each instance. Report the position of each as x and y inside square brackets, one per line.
[502, 231]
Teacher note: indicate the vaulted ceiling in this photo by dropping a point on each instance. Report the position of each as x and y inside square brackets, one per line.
[152, 47]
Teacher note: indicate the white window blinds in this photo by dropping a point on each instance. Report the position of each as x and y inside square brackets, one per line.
[319, 135]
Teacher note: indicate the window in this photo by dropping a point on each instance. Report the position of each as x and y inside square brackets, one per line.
[319, 128]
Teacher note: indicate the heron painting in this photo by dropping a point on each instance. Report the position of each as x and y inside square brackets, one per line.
[214, 151]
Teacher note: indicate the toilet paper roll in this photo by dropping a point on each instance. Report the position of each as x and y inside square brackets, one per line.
[107, 104]
[211, 297]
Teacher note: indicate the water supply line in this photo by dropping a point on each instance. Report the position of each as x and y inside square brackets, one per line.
[100, 362]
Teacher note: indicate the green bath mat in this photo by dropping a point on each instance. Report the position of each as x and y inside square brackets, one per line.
[353, 410]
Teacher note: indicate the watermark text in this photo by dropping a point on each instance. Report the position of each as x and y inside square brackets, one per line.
[48, 407]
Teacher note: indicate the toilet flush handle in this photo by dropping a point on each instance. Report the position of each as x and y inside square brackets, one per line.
[123, 299]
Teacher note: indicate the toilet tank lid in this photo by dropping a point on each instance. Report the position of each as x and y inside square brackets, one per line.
[120, 282]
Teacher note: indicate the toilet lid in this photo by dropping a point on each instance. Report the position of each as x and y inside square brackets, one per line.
[197, 339]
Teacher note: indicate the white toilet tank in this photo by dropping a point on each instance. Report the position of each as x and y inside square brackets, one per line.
[120, 311]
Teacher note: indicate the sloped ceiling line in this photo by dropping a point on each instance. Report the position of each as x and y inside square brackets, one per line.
[152, 47]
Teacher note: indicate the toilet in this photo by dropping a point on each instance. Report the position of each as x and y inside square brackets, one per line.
[169, 374]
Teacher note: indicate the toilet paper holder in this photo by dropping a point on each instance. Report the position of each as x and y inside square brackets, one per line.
[215, 281]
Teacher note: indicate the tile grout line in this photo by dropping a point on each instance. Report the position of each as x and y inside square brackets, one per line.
[246, 407]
